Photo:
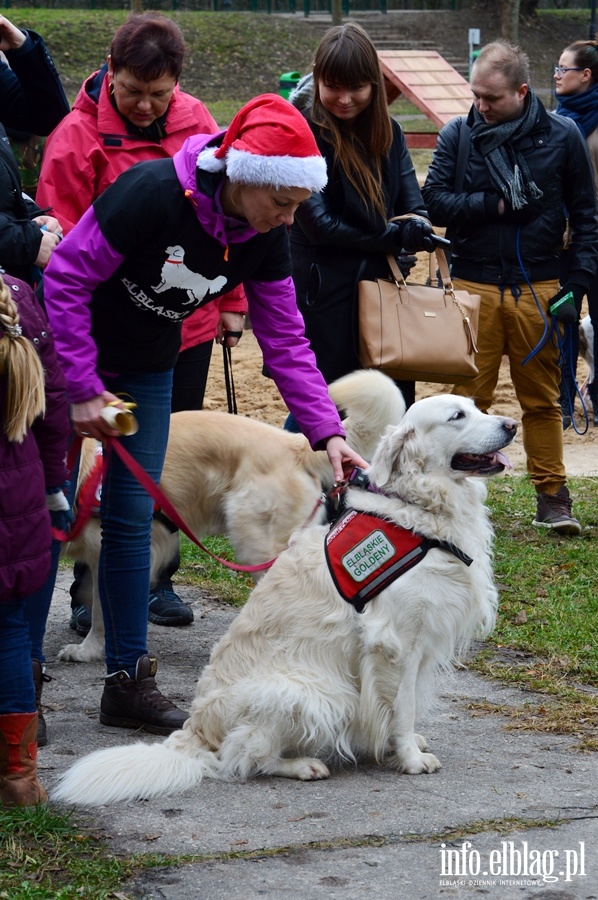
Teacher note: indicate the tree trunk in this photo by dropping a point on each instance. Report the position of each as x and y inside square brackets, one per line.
[509, 19]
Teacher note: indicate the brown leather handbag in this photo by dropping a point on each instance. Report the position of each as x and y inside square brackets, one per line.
[418, 332]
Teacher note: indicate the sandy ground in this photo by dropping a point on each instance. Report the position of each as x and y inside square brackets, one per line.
[258, 397]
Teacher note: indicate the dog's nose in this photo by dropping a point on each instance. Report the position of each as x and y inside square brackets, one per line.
[510, 424]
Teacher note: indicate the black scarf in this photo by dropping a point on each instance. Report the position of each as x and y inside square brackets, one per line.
[508, 169]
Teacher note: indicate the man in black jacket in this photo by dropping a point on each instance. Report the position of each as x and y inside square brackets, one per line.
[522, 172]
[32, 99]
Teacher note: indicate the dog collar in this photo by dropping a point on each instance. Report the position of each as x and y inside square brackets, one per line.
[365, 553]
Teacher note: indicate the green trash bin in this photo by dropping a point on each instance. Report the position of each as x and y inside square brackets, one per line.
[288, 81]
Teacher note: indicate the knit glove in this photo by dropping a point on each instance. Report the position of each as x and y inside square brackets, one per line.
[60, 510]
[417, 234]
[566, 303]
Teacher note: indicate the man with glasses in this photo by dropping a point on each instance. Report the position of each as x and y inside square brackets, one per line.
[524, 172]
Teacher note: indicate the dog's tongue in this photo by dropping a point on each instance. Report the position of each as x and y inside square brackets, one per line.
[503, 460]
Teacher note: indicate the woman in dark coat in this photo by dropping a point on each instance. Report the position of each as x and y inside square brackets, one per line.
[343, 234]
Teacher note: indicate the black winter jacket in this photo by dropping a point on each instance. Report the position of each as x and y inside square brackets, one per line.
[486, 247]
[31, 99]
[335, 241]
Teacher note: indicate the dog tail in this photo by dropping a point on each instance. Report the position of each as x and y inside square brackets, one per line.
[134, 772]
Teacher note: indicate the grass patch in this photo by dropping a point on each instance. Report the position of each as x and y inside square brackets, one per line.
[231, 56]
[44, 854]
[199, 569]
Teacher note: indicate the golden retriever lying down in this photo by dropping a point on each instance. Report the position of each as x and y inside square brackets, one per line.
[301, 679]
[240, 477]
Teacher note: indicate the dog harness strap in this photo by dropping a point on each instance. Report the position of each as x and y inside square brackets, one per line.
[365, 553]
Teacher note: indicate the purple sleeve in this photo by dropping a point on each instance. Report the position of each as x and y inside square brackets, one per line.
[82, 261]
[279, 330]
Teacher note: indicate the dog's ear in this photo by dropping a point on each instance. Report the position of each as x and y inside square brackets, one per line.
[399, 453]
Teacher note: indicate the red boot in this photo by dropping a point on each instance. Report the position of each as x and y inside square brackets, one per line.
[18, 768]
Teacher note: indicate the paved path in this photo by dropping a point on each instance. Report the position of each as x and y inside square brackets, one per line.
[506, 809]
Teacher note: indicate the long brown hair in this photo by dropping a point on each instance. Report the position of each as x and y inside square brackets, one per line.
[347, 56]
[20, 366]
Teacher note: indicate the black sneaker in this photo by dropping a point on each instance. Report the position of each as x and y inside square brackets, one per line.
[554, 511]
[166, 608]
[80, 620]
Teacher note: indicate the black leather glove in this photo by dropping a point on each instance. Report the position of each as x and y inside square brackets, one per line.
[417, 234]
[566, 303]
[406, 262]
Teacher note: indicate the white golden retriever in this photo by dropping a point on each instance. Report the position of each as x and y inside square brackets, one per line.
[233, 475]
[301, 679]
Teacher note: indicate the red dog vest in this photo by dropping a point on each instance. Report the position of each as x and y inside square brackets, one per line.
[365, 553]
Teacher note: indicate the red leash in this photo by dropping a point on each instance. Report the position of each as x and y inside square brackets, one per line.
[87, 497]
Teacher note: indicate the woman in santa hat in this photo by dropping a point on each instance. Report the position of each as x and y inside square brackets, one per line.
[168, 236]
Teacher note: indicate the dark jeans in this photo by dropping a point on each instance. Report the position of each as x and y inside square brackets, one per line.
[17, 694]
[188, 389]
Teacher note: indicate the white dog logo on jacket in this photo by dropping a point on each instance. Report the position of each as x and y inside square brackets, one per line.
[175, 274]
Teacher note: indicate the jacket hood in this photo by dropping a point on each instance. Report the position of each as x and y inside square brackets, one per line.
[202, 189]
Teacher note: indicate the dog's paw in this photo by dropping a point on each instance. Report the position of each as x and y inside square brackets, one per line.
[311, 770]
[304, 769]
[81, 653]
[423, 764]
[421, 741]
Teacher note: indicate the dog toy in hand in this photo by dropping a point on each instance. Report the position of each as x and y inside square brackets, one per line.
[566, 303]
[417, 234]
[61, 515]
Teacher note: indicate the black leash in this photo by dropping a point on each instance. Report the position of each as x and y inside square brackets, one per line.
[231, 398]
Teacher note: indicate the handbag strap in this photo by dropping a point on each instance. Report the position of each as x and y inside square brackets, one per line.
[438, 256]
[447, 287]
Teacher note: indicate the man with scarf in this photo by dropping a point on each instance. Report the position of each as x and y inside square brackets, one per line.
[523, 173]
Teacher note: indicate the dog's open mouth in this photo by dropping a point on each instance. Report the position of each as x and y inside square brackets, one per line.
[481, 464]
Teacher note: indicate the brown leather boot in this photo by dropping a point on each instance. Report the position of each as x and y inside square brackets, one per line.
[18, 768]
[137, 703]
[39, 677]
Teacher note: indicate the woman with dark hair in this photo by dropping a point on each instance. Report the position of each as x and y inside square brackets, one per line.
[576, 88]
[131, 111]
[343, 234]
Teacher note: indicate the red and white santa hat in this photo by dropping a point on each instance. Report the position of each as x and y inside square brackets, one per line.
[268, 143]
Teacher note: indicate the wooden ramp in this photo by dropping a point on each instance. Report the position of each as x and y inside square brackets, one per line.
[428, 81]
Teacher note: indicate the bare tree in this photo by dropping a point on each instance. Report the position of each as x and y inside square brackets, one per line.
[509, 19]
[336, 9]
